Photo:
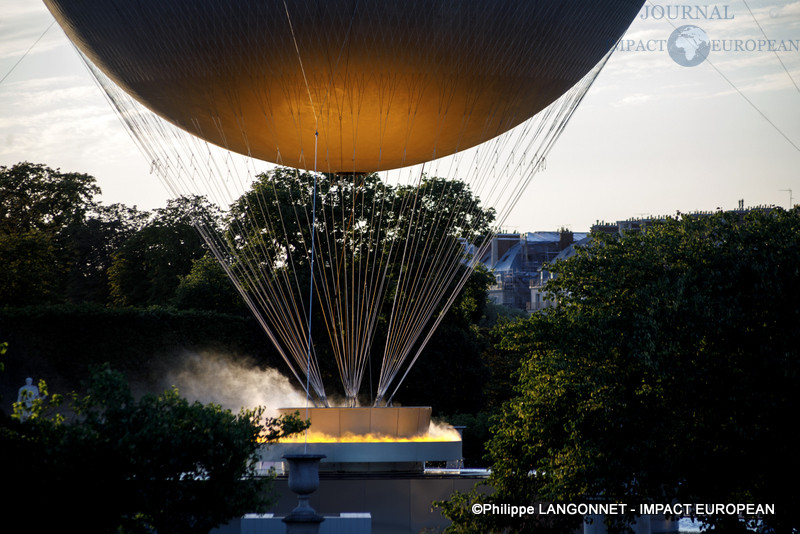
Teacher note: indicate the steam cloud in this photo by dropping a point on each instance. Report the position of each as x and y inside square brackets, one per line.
[233, 383]
[236, 383]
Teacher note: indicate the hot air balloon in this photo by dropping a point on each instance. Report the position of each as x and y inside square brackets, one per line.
[415, 98]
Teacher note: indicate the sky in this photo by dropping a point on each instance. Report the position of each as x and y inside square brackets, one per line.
[651, 138]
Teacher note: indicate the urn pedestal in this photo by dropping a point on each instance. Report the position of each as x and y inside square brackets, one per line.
[303, 481]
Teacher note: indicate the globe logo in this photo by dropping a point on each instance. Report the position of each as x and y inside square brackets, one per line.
[688, 46]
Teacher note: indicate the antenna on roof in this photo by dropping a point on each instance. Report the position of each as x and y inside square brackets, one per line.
[791, 198]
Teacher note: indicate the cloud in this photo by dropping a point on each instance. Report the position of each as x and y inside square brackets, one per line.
[233, 383]
[21, 24]
[634, 99]
[56, 115]
[788, 11]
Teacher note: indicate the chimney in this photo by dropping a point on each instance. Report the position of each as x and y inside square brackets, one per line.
[565, 238]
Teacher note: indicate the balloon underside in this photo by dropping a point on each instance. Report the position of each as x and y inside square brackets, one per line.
[383, 85]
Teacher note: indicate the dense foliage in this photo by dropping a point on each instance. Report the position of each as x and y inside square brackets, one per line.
[148, 267]
[84, 283]
[668, 371]
[59, 244]
[81, 281]
[371, 239]
[40, 210]
[62, 342]
[118, 464]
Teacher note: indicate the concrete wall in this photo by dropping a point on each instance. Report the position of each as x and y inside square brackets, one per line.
[271, 524]
[398, 504]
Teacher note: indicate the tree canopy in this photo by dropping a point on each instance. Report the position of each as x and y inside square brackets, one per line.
[668, 371]
[36, 197]
[75, 265]
[147, 268]
[60, 244]
[56, 239]
[133, 465]
[374, 242]
[39, 208]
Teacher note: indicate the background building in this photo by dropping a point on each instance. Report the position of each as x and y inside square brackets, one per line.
[517, 260]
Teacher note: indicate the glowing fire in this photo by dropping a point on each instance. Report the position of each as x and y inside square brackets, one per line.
[434, 434]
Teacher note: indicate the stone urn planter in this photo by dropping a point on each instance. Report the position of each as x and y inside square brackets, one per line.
[303, 480]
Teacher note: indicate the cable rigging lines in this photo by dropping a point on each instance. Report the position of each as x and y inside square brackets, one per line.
[409, 116]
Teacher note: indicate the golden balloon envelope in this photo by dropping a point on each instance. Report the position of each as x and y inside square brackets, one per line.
[345, 86]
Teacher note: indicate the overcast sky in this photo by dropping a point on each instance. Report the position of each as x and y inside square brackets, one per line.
[651, 138]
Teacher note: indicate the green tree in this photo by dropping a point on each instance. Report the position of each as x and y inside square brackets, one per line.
[374, 242]
[450, 373]
[667, 371]
[208, 287]
[56, 240]
[33, 269]
[36, 197]
[147, 268]
[39, 208]
[92, 245]
[128, 465]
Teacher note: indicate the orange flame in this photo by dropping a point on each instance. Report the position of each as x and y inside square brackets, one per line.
[434, 434]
